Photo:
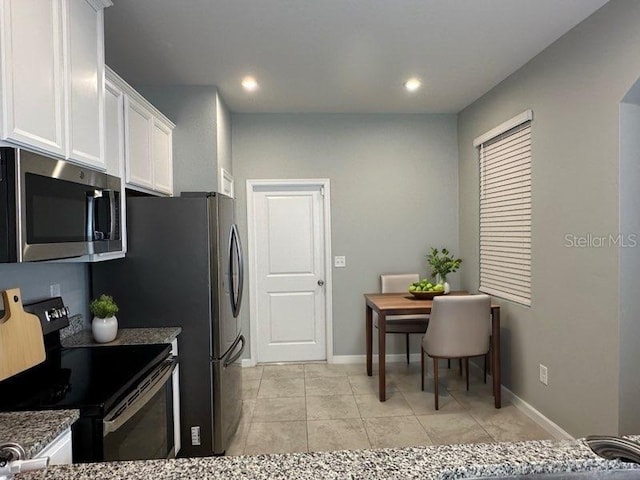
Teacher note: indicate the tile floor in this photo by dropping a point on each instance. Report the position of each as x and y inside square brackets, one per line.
[320, 407]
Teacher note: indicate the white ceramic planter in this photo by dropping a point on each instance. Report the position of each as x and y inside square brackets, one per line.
[104, 329]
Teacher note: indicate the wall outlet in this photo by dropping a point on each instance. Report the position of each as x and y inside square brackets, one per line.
[544, 375]
[195, 435]
[54, 289]
[340, 261]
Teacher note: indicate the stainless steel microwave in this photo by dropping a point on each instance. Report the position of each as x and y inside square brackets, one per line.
[51, 209]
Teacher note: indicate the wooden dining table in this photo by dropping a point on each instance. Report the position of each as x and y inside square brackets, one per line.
[385, 304]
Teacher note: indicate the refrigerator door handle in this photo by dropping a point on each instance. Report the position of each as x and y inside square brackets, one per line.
[235, 248]
[230, 361]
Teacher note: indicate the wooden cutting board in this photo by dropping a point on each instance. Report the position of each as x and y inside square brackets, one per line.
[21, 339]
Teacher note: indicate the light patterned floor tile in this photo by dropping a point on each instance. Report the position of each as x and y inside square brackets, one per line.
[327, 385]
[393, 432]
[451, 428]
[423, 403]
[331, 407]
[279, 409]
[394, 406]
[281, 387]
[338, 434]
[294, 370]
[363, 384]
[276, 437]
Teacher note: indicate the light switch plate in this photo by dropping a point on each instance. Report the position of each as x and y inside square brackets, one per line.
[339, 261]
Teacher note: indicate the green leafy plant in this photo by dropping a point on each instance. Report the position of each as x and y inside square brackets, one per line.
[103, 306]
[442, 263]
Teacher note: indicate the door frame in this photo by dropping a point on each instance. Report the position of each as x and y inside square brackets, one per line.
[325, 185]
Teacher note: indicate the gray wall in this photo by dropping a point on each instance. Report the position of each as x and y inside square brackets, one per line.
[223, 137]
[393, 194]
[34, 280]
[630, 266]
[574, 88]
[193, 109]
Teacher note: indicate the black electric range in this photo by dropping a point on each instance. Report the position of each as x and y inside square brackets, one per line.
[96, 380]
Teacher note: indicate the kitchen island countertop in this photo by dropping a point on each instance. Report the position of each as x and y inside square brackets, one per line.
[35, 430]
[432, 462]
[126, 336]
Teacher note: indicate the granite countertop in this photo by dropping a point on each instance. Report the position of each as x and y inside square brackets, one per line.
[434, 462]
[126, 336]
[35, 430]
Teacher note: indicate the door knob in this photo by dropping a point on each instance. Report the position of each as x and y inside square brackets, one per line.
[321, 282]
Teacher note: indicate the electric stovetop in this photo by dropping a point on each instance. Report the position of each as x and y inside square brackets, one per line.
[91, 379]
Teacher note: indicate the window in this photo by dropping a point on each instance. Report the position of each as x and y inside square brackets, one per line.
[505, 210]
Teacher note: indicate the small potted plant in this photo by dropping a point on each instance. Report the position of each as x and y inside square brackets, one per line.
[105, 324]
[442, 263]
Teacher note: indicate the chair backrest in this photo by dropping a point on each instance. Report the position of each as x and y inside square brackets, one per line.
[397, 283]
[460, 326]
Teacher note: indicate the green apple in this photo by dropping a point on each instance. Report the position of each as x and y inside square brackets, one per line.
[412, 288]
[439, 288]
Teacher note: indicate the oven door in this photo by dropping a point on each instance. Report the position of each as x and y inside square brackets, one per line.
[141, 426]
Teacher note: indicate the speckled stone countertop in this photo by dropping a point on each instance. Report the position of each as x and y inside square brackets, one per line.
[434, 462]
[35, 430]
[126, 336]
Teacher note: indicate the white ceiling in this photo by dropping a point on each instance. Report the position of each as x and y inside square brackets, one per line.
[335, 55]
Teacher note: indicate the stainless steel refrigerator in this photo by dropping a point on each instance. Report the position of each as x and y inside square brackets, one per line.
[184, 268]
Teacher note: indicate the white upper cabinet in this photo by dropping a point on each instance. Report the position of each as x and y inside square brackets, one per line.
[147, 136]
[31, 42]
[85, 70]
[162, 148]
[138, 122]
[114, 129]
[52, 77]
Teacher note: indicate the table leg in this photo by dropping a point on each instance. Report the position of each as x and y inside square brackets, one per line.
[382, 326]
[369, 334]
[495, 347]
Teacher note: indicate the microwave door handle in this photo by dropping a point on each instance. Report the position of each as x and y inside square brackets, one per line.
[113, 422]
[91, 215]
[112, 215]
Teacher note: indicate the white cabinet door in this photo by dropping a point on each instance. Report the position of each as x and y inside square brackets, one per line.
[85, 67]
[162, 157]
[114, 129]
[32, 61]
[138, 127]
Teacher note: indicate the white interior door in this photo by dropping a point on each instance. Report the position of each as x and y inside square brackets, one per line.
[290, 267]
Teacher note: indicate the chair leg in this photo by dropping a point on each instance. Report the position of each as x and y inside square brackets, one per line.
[435, 381]
[466, 367]
[422, 367]
[407, 349]
[448, 363]
[460, 363]
[485, 367]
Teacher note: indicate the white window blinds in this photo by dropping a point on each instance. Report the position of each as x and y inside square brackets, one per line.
[505, 210]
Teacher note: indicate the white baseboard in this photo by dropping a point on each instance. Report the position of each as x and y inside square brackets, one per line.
[526, 408]
[247, 362]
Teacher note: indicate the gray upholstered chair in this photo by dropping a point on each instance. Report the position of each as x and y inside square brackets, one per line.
[404, 324]
[459, 327]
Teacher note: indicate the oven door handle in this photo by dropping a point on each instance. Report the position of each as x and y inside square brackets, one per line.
[136, 400]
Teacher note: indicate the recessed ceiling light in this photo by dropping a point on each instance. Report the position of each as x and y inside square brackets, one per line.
[412, 84]
[250, 84]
